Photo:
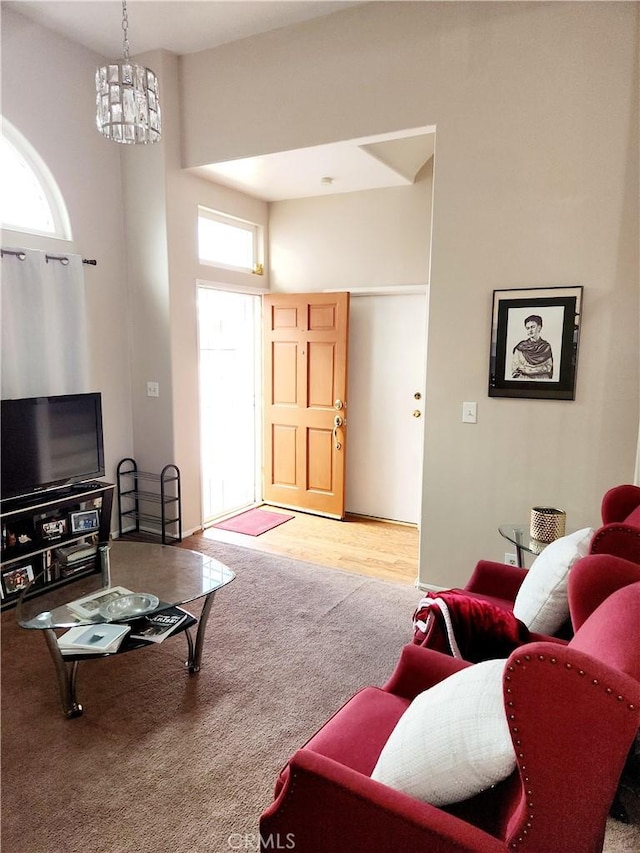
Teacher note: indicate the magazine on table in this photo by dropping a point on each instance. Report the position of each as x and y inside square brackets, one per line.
[93, 639]
[89, 606]
[158, 626]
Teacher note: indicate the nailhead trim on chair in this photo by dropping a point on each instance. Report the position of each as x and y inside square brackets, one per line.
[602, 533]
[518, 742]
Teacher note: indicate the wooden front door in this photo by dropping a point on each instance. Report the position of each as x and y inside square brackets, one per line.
[305, 338]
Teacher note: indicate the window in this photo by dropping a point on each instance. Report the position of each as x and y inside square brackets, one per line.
[227, 242]
[31, 200]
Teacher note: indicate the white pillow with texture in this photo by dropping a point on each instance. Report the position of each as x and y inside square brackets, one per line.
[453, 740]
[542, 602]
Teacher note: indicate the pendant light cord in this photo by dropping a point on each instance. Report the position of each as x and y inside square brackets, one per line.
[125, 27]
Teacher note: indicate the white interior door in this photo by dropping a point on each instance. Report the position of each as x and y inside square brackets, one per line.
[387, 369]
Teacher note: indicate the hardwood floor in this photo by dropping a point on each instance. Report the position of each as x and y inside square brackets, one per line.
[367, 546]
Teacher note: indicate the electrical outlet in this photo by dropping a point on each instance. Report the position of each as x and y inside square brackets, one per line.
[511, 559]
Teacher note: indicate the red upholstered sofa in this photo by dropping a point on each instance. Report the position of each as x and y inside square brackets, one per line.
[573, 712]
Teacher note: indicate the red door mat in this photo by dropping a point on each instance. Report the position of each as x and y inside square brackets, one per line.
[253, 522]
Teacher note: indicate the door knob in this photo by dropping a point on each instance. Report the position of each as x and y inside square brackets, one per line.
[417, 413]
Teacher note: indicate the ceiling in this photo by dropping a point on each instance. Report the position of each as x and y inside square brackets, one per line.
[354, 165]
[182, 26]
[188, 26]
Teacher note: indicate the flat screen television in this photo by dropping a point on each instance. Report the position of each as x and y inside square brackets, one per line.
[49, 442]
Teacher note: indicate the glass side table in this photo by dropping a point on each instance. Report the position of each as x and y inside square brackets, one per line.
[518, 535]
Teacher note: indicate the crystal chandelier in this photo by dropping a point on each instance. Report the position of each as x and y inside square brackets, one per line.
[127, 98]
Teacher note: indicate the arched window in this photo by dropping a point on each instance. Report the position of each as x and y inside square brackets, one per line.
[31, 200]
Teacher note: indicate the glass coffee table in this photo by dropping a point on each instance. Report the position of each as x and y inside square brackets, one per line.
[173, 575]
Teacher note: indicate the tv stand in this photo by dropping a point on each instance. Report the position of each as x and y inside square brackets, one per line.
[38, 529]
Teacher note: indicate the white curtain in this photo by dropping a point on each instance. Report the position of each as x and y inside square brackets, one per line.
[43, 326]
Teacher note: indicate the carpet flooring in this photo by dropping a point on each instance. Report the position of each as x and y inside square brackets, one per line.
[161, 761]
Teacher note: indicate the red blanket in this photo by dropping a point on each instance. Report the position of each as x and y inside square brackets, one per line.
[467, 628]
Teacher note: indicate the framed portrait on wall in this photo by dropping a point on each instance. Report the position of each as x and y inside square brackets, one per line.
[534, 343]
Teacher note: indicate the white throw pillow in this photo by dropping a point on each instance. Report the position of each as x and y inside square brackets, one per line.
[453, 740]
[542, 602]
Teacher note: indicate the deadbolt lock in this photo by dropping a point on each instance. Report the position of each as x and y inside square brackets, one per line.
[338, 404]
[417, 396]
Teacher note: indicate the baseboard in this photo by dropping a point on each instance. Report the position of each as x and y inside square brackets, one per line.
[428, 587]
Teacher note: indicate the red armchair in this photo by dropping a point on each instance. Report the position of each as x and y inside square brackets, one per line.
[619, 536]
[593, 579]
[621, 504]
[573, 713]
[620, 531]
[497, 583]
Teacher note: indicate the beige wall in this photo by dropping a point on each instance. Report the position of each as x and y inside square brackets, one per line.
[48, 94]
[147, 253]
[536, 184]
[161, 211]
[185, 193]
[134, 210]
[377, 238]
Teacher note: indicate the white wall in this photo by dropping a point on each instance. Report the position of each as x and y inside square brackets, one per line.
[48, 94]
[536, 184]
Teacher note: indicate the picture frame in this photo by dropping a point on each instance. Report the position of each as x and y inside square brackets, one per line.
[534, 342]
[15, 580]
[86, 521]
[53, 528]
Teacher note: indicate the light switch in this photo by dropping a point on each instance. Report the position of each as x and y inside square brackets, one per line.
[153, 389]
[469, 413]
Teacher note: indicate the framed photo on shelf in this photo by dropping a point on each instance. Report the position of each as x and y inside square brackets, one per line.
[85, 522]
[534, 343]
[53, 528]
[17, 579]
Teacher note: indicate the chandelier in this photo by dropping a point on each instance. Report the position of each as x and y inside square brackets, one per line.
[127, 98]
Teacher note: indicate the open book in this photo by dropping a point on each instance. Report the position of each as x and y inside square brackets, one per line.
[93, 639]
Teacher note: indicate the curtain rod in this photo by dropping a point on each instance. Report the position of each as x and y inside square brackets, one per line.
[62, 258]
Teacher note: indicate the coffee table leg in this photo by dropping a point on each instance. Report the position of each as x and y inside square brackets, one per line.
[195, 655]
[66, 681]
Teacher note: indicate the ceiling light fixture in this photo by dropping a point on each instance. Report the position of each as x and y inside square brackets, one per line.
[127, 98]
